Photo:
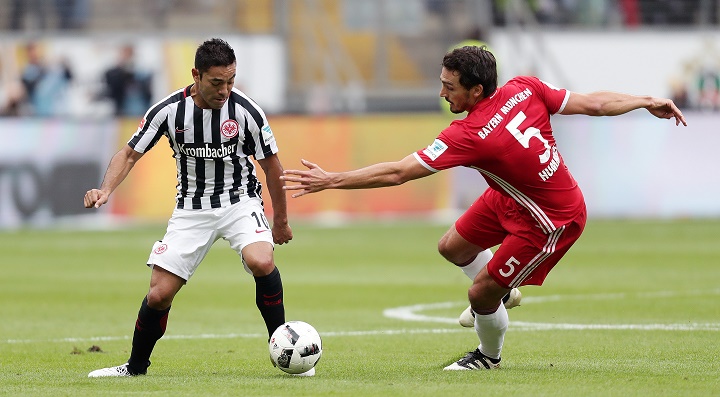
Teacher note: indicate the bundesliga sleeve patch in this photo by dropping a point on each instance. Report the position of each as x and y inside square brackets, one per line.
[435, 149]
[267, 134]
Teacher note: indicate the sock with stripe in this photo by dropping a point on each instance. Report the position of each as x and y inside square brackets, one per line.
[149, 328]
[269, 300]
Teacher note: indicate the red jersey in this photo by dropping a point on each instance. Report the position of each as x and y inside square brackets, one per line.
[508, 138]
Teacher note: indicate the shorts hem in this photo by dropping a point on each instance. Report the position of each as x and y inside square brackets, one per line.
[185, 277]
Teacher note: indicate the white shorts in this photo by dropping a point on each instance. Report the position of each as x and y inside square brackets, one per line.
[191, 233]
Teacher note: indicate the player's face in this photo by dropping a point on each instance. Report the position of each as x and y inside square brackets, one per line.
[459, 98]
[214, 86]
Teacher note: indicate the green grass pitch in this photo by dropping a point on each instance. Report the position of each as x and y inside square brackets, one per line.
[632, 310]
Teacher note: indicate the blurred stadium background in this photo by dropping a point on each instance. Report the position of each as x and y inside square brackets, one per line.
[346, 83]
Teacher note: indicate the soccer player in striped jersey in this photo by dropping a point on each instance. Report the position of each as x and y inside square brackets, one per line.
[533, 208]
[213, 129]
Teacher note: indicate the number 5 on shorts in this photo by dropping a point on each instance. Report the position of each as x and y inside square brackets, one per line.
[511, 267]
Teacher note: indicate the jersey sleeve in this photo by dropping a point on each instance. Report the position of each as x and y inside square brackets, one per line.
[554, 98]
[448, 150]
[262, 135]
[151, 128]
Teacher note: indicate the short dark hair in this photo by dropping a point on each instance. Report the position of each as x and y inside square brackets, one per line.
[213, 52]
[476, 65]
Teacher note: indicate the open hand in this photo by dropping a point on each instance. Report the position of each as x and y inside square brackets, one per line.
[666, 109]
[313, 180]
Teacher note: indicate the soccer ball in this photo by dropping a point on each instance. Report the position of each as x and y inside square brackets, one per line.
[295, 347]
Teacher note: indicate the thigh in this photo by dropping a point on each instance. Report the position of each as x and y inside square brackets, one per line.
[522, 261]
[163, 288]
[189, 236]
[245, 223]
[481, 224]
[456, 249]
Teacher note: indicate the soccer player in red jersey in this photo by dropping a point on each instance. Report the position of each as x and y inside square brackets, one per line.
[533, 208]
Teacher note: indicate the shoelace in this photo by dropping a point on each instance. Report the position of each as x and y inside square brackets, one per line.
[470, 358]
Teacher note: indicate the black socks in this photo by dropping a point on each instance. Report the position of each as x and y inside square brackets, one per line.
[150, 325]
[149, 328]
[269, 299]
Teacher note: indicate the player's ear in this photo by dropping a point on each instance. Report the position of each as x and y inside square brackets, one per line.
[196, 75]
[477, 91]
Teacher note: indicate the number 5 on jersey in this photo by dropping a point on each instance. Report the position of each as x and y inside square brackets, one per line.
[524, 137]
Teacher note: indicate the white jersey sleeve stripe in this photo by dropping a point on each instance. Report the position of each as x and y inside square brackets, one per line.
[423, 163]
[564, 102]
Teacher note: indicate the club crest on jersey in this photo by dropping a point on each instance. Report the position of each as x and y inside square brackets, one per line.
[230, 128]
[160, 248]
[435, 149]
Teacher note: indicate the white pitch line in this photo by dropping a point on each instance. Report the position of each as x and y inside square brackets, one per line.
[514, 325]
[240, 336]
[409, 313]
[529, 326]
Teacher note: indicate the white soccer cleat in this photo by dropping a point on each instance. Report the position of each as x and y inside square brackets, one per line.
[512, 299]
[467, 318]
[120, 370]
[310, 372]
[472, 361]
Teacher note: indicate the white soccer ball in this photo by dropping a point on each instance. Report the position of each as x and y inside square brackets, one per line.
[295, 347]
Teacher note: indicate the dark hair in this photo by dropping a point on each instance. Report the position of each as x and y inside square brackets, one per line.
[476, 65]
[213, 52]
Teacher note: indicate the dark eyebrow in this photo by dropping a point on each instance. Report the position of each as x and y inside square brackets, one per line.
[219, 79]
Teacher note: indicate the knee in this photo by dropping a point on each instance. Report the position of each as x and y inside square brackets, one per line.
[159, 299]
[445, 250]
[474, 294]
[485, 296]
[479, 301]
[261, 266]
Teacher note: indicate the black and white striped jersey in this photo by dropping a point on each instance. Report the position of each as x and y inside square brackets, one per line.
[211, 146]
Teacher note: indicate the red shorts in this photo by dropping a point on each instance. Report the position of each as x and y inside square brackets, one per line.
[526, 254]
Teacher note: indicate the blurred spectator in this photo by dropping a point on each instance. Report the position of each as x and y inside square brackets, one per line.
[70, 14]
[439, 7]
[679, 94]
[699, 81]
[44, 84]
[630, 11]
[708, 81]
[669, 12]
[11, 90]
[11, 99]
[18, 9]
[128, 87]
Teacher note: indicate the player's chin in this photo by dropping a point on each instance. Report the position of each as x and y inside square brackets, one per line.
[218, 103]
[455, 110]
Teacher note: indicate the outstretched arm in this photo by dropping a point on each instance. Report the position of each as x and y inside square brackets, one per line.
[122, 162]
[604, 103]
[316, 179]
